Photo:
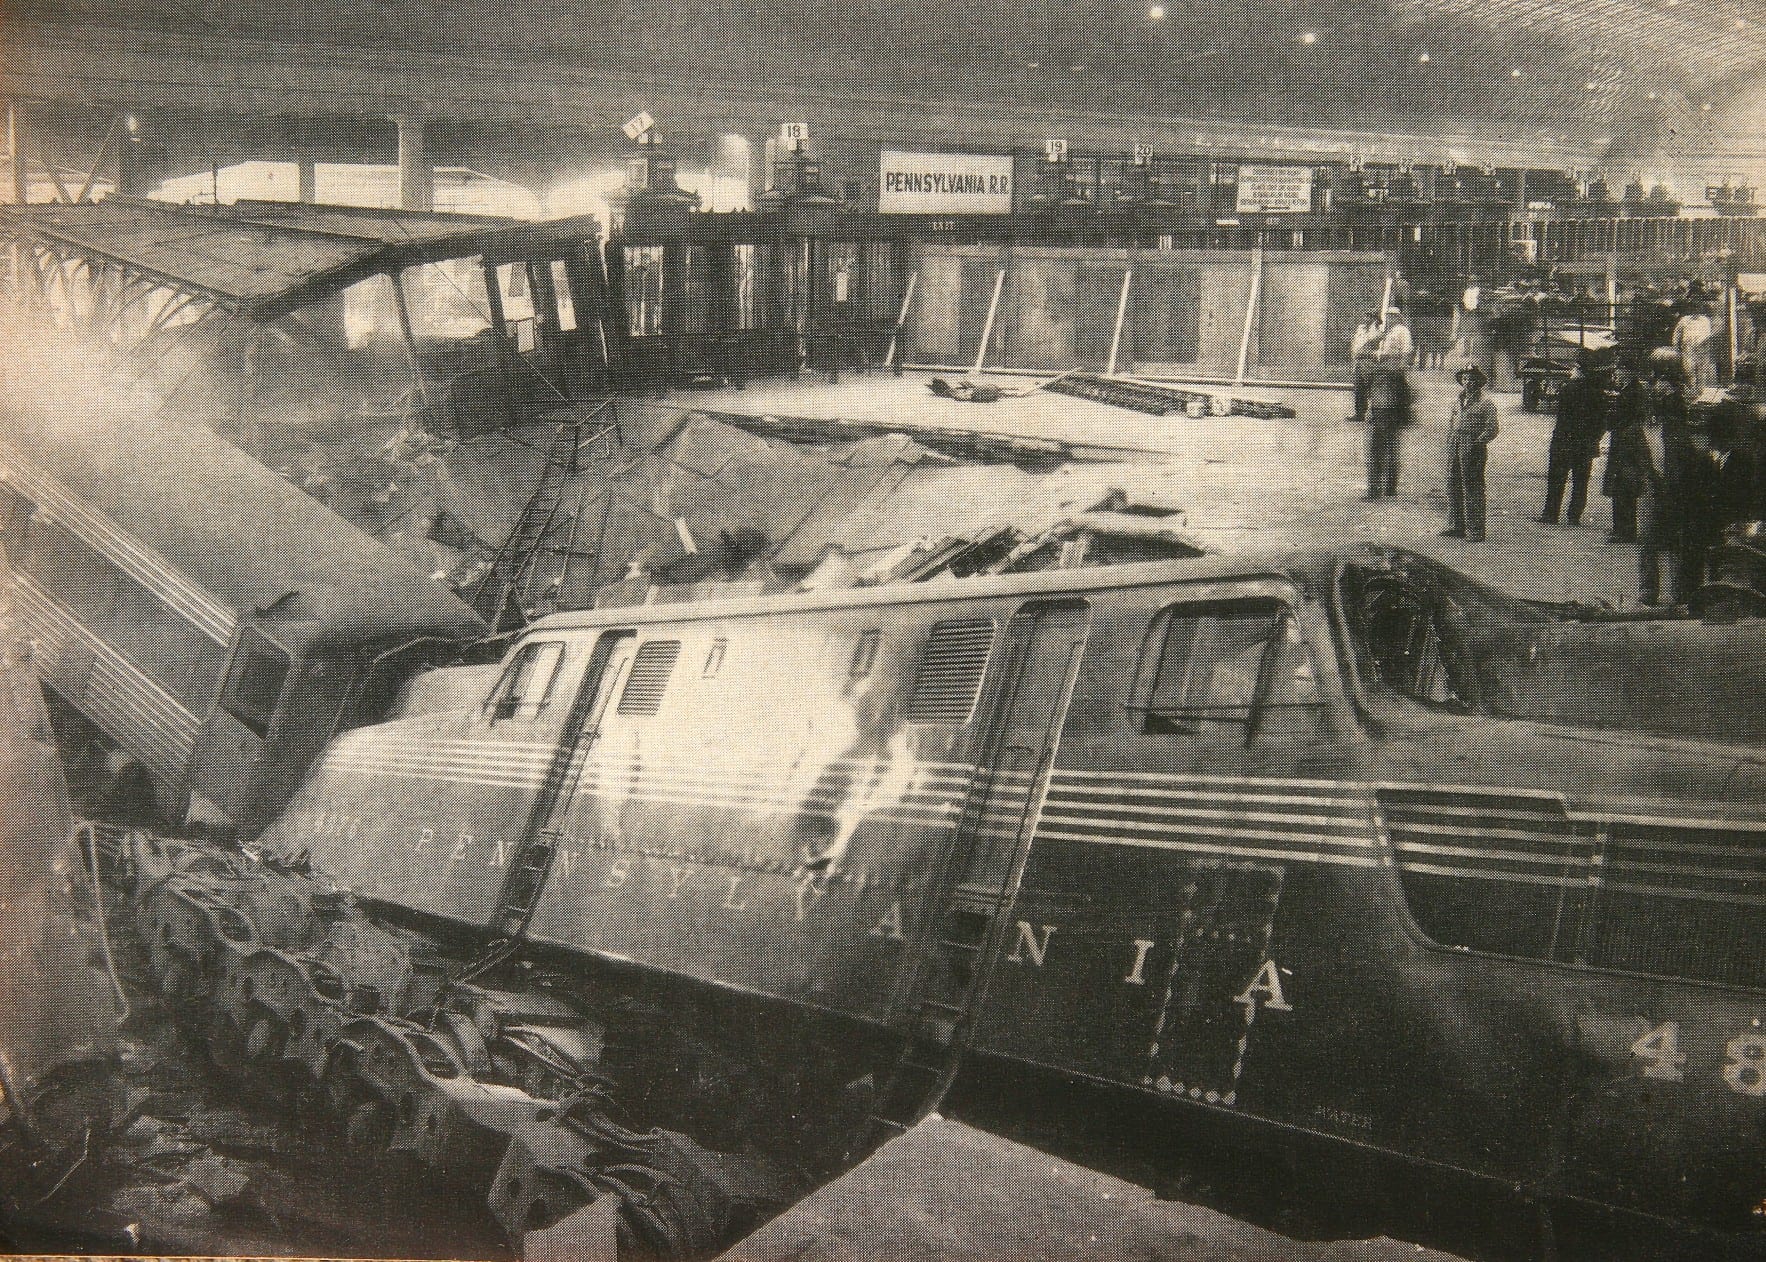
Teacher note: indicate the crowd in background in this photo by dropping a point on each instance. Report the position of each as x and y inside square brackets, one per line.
[1674, 486]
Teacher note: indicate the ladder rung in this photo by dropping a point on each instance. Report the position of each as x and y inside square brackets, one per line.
[943, 1029]
[978, 898]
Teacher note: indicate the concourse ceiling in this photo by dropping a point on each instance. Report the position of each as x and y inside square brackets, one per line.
[1578, 71]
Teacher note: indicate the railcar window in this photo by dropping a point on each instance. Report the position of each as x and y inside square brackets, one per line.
[1232, 669]
[1682, 902]
[526, 685]
[254, 682]
[949, 678]
[644, 687]
[15, 511]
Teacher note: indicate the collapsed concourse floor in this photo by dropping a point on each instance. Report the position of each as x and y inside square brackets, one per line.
[1246, 484]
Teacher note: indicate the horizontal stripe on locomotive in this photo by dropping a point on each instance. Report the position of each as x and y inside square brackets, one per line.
[1595, 878]
[146, 719]
[468, 759]
[1290, 817]
[758, 789]
[184, 597]
[1227, 850]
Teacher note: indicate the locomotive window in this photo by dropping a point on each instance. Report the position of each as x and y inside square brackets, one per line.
[526, 684]
[1230, 670]
[949, 678]
[651, 668]
[254, 682]
[714, 658]
[1406, 649]
[864, 654]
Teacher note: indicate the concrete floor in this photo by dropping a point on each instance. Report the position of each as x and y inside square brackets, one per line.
[1259, 485]
[945, 1192]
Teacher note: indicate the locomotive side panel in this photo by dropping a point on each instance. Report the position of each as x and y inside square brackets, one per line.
[1192, 877]
[427, 813]
[768, 817]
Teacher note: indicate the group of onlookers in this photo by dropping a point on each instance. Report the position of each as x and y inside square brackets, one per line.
[1673, 490]
[1383, 351]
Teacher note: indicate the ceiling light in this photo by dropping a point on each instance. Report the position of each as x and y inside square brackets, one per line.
[1706, 107]
[1515, 73]
[1741, 24]
[1423, 57]
[1311, 37]
[1589, 86]
[1156, 12]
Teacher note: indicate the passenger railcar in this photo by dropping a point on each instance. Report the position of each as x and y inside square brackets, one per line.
[204, 624]
[1343, 848]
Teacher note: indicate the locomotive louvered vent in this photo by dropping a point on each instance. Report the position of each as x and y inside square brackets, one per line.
[949, 678]
[649, 678]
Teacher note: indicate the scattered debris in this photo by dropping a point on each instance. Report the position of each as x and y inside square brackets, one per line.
[1162, 400]
[955, 442]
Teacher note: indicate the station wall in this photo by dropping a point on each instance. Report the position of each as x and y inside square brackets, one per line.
[1185, 311]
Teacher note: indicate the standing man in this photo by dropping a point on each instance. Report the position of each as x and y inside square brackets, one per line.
[1575, 438]
[1628, 411]
[1661, 463]
[1390, 411]
[1471, 327]
[1468, 441]
[1692, 340]
[1364, 349]
[1397, 347]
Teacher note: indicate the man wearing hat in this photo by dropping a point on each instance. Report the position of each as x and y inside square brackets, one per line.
[1470, 432]
[1575, 438]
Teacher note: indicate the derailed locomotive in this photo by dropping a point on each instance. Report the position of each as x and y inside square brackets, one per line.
[1343, 848]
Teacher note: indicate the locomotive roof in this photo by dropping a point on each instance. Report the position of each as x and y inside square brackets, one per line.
[245, 535]
[1312, 570]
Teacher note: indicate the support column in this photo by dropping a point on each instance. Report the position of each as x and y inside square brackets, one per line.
[416, 178]
[15, 138]
[306, 179]
[760, 172]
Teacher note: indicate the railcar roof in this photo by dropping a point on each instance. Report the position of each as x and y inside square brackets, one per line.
[1312, 569]
[236, 529]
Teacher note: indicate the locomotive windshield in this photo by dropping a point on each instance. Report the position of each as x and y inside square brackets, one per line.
[1409, 638]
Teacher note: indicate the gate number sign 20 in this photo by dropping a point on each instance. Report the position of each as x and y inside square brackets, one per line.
[1744, 1071]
